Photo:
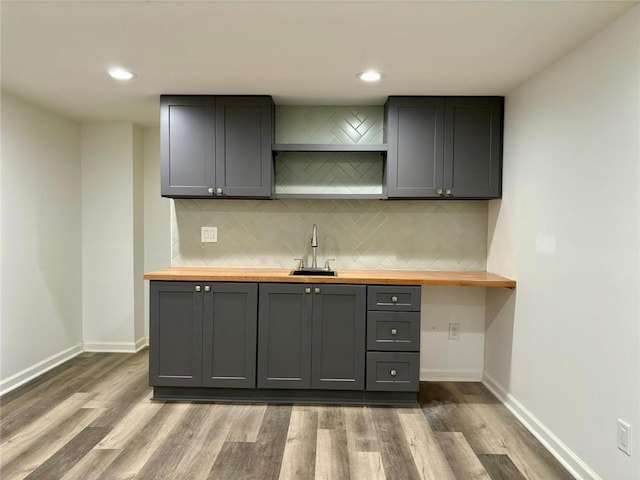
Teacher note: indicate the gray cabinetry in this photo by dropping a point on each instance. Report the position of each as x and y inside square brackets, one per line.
[216, 146]
[175, 334]
[473, 146]
[338, 333]
[284, 336]
[229, 335]
[311, 336]
[393, 338]
[444, 147]
[202, 334]
[415, 137]
[187, 145]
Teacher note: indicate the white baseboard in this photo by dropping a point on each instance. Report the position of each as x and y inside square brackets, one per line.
[116, 347]
[22, 377]
[429, 375]
[556, 447]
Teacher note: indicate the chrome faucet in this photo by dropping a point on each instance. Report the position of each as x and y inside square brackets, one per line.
[314, 245]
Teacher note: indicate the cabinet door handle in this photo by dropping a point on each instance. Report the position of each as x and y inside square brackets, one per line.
[394, 331]
[218, 191]
[316, 290]
[439, 191]
[198, 288]
[207, 288]
[307, 290]
[448, 192]
[394, 299]
[393, 372]
[211, 191]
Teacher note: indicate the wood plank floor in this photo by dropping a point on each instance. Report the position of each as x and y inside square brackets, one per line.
[91, 418]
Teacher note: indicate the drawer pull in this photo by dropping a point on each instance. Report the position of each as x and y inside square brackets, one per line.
[394, 331]
[394, 299]
[393, 372]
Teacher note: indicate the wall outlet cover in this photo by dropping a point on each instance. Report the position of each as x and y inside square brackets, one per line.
[624, 436]
[454, 331]
[208, 234]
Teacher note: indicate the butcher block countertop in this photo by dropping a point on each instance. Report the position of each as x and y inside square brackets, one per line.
[378, 277]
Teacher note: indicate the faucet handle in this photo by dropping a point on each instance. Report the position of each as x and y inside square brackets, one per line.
[300, 264]
[327, 267]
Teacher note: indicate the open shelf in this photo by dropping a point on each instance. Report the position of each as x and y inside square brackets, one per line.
[317, 147]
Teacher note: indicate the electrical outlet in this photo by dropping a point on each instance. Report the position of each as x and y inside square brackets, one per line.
[624, 437]
[454, 331]
[208, 234]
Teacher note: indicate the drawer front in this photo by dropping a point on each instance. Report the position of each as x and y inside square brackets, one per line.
[391, 371]
[393, 331]
[394, 298]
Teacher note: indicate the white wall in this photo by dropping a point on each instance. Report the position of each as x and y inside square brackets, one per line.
[112, 282]
[565, 347]
[41, 241]
[157, 214]
[440, 357]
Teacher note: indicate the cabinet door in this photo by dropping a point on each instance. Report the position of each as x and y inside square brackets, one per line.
[338, 337]
[284, 336]
[415, 134]
[244, 134]
[187, 145]
[473, 146]
[175, 334]
[230, 326]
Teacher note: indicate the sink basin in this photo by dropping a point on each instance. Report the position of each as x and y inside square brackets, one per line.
[319, 273]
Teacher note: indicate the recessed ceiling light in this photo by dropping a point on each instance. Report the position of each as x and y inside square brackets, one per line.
[120, 73]
[369, 76]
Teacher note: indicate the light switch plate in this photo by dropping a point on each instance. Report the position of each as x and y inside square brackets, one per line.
[208, 234]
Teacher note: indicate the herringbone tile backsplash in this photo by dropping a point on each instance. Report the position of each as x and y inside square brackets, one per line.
[414, 235]
[337, 173]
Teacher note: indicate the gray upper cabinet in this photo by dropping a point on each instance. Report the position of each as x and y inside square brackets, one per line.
[415, 137]
[244, 134]
[187, 145]
[216, 146]
[444, 147]
[473, 147]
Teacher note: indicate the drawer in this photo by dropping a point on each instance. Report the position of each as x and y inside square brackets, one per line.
[393, 331]
[393, 371]
[395, 298]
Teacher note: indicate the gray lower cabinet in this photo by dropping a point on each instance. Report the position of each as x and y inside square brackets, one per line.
[255, 342]
[175, 334]
[229, 335]
[312, 336]
[393, 338]
[444, 147]
[216, 146]
[202, 334]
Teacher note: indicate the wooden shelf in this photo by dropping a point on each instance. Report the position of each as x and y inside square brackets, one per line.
[310, 147]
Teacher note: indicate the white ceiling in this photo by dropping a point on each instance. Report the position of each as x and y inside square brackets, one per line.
[304, 52]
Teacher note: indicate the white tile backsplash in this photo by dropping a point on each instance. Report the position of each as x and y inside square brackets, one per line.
[414, 235]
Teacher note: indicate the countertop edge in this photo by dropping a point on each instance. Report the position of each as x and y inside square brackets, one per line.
[346, 276]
